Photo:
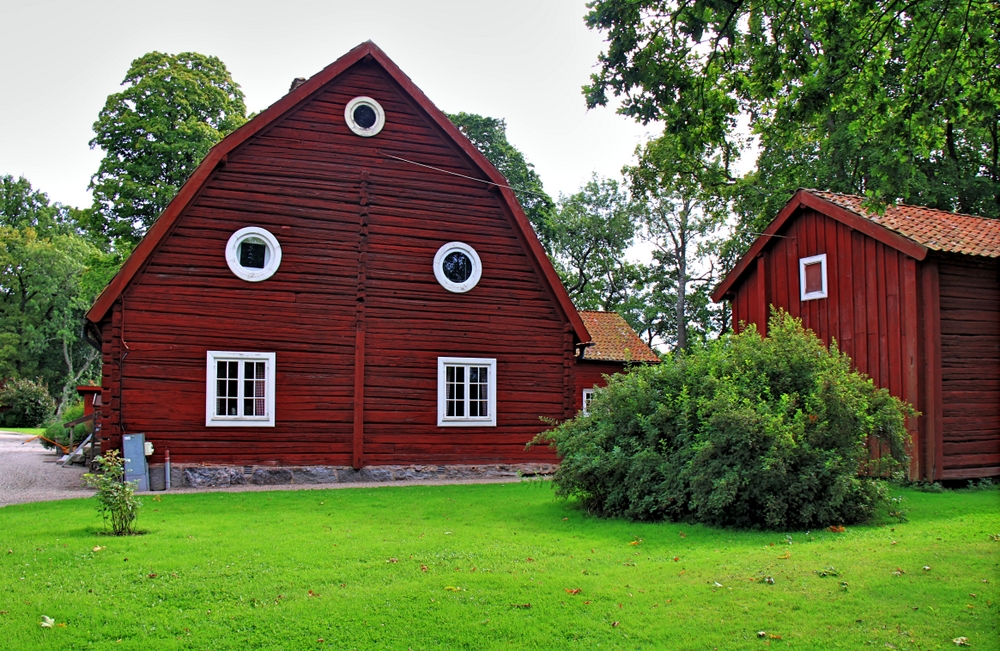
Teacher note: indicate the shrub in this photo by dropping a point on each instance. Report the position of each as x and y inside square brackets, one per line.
[54, 430]
[116, 500]
[28, 403]
[744, 431]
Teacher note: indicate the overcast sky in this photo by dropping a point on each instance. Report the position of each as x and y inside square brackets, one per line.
[524, 61]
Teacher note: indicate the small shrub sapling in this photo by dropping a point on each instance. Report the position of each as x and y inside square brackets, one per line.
[116, 498]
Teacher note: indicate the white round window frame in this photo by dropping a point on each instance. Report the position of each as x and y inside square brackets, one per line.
[357, 128]
[447, 283]
[248, 274]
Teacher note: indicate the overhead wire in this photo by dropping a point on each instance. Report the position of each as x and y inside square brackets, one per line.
[470, 178]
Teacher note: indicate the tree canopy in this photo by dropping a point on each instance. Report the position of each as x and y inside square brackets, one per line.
[895, 101]
[489, 135]
[154, 134]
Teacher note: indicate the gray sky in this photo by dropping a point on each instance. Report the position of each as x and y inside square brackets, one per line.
[523, 61]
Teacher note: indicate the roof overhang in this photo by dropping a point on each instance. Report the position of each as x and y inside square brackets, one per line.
[218, 156]
[803, 199]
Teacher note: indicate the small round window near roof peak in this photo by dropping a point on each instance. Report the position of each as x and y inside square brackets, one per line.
[364, 116]
[457, 267]
[253, 254]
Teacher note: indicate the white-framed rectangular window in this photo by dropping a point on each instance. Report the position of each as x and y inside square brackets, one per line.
[812, 277]
[588, 395]
[239, 389]
[467, 392]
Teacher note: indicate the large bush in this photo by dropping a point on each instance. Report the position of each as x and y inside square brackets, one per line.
[28, 403]
[745, 431]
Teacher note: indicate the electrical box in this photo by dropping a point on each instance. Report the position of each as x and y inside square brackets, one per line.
[135, 460]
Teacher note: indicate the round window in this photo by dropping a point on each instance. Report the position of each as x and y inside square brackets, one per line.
[253, 254]
[457, 267]
[364, 116]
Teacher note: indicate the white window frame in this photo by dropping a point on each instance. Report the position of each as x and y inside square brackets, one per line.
[803, 262]
[448, 283]
[357, 128]
[442, 404]
[271, 263]
[588, 395]
[211, 386]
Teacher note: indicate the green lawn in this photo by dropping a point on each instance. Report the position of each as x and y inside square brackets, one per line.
[33, 431]
[491, 566]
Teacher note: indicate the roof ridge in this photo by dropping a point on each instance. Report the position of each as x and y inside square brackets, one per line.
[899, 204]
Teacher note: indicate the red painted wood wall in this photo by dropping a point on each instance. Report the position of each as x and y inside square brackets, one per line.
[970, 365]
[302, 180]
[590, 374]
[938, 349]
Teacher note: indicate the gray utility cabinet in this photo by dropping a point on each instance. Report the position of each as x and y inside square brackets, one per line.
[135, 460]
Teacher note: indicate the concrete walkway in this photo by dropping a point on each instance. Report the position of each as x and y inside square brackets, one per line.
[29, 473]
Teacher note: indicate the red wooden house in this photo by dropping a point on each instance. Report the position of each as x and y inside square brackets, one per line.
[345, 281]
[912, 295]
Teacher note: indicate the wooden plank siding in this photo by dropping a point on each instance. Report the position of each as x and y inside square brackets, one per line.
[590, 374]
[343, 255]
[970, 366]
[871, 307]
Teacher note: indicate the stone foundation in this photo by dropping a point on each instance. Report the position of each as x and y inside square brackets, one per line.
[183, 476]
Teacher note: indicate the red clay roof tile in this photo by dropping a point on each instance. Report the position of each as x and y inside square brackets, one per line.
[614, 340]
[938, 230]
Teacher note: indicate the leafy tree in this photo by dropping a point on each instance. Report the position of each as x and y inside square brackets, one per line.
[49, 275]
[896, 101]
[489, 135]
[591, 232]
[680, 213]
[154, 134]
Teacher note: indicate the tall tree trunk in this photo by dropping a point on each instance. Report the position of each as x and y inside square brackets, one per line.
[682, 278]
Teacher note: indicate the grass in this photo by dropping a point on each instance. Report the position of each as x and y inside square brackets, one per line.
[33, 431]
[484, 567]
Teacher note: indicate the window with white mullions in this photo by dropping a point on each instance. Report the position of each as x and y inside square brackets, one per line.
[240, 389]
[466, 391]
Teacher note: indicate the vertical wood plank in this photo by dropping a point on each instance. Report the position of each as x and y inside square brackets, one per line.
[761, 298]
[860, 302]
[833, 275]
[846, 298]
[934, 440]
[910, 369]
[893, 327]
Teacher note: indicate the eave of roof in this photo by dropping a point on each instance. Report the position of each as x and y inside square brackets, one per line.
[807, 199]
[190, 190]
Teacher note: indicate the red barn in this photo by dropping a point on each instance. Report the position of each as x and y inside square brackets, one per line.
[912, 295]
[345, 282]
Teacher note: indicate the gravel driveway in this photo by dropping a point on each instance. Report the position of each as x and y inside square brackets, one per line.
[29, 473]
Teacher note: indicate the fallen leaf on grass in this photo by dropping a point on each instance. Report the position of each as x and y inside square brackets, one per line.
[313, 594]
[392, 560]
[451, 588]
[717, 585]
[320, 641]
[829, 571]
[613, 624]
[636, 542]
[529, 560]
[97, 548]
[785, 556]
[521, 606]
[586, 602]
[961, 641]
[564, 519]
[927, 568]
[47, 622]
[899, 572]
[677, 558]
[836, 528]
[774, 637]
[761, 633]
[572, 591]
[423, 568]
[682, 534]
[61, 625]
[152, 575]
